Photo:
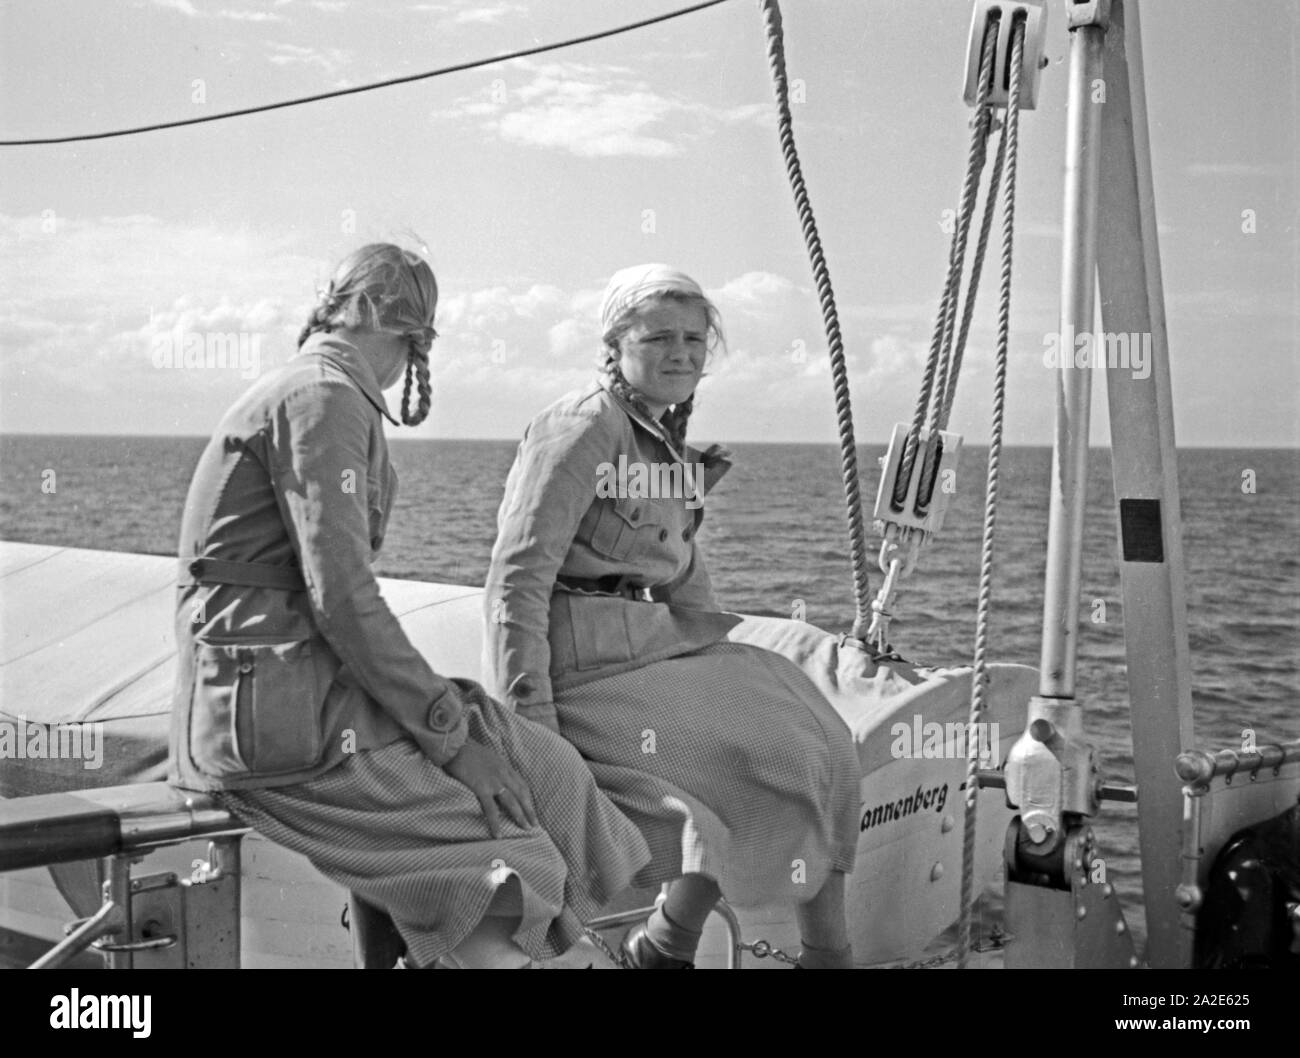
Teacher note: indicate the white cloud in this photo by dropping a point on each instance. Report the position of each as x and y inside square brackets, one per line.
[87, 304]
[185, 7]
[892, 355]
[249, 16]
[487, 15]
[86, 301]
[569, 337]
[329, 60]
[593, 127]
[470, 13]
[759, 293]
[594, 111]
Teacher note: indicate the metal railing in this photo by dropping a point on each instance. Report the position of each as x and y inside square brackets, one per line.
[119, 825]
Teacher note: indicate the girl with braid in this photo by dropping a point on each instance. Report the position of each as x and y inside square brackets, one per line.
[302, 703]
[602, 625]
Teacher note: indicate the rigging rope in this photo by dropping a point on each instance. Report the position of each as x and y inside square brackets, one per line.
[940, 342]
[947, 347]
[979, 676]
[336, 93]
[977, 265]
[830, 320]
[945, 325]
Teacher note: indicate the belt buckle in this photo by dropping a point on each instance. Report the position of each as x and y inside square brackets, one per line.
[631, 590]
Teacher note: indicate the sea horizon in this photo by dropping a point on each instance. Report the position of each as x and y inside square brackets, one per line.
[860, 442]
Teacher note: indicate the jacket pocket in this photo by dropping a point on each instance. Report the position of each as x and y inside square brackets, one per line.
[597, 630]
[615, 532]
[257, 707]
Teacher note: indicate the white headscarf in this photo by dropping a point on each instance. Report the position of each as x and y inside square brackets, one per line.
[630, 287]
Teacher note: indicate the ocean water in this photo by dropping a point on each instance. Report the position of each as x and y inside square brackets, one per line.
[775, 534]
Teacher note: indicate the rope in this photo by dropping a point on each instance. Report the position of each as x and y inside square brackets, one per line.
[979, 675]
[956, 259]
[976, 267]
[457, 68]
[943, 365]
[970, 190]
[830, 319]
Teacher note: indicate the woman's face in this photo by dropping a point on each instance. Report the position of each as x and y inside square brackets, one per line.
[662, 354]
[392, 350]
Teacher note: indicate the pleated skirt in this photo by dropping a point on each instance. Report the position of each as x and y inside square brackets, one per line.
[397, 829]
[731, 763]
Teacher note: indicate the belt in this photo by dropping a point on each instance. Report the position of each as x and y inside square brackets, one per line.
[243, 574]
[610, 584]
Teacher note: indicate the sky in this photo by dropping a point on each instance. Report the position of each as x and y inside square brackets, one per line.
[528, 183]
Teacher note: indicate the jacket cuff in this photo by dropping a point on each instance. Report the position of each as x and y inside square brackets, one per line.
[528, 690]
[445, 728]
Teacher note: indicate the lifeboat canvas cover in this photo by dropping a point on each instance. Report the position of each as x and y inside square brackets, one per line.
[86, 638]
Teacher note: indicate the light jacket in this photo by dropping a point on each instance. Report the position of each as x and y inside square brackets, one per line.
[576, 507]
[277, 686]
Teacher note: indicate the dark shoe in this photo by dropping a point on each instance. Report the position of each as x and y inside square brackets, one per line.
[640, 953]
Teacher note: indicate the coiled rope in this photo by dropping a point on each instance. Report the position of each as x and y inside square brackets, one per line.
[979, 677]
[830, 319]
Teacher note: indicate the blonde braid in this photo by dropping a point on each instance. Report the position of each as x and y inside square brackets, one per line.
[384, 289]
[673, 422]
[417, 367]
[319, 320]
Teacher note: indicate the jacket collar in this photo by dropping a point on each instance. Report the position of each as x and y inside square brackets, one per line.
[347, 357]
[647, 424]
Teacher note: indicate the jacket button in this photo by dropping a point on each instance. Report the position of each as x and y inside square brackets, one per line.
[523, 689]
[686, 534]
[663, 535]
[196, 567]
[440, 718]
[247, 666]
[636, 514]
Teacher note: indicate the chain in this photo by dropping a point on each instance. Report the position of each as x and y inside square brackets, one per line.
[615, 957]
[997, 941]
[761, 949]
[945, 957]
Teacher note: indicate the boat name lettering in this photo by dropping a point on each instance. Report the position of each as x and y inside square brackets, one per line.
[891, 810]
